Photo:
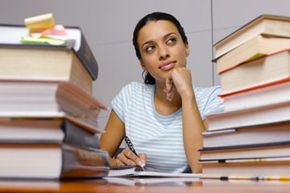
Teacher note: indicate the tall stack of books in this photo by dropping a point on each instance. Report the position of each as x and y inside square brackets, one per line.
[48, 116]
[251, 138]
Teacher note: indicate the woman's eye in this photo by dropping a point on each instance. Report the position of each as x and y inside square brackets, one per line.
[149, 49]
[171, 41]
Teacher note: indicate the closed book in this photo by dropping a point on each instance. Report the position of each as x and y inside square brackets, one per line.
[247, 136]
[249, 117]
[44, 99]
[12, 34]
[251, 169]
[255, 48]
[275, 93]
[44, 63]
[48, 130]
[270, 25]
[262, 150]
[51, 161]
[257, 73]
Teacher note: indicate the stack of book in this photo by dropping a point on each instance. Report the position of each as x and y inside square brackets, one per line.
[48, 116]
[251, 138]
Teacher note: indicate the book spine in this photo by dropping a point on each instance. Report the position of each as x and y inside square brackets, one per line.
[79, 137]
[81, 163]
[87, 57]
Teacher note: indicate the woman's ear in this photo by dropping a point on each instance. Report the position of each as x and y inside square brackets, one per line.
[187, 49]
[142, 65]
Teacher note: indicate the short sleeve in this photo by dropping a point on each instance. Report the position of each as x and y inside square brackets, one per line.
[120, 103]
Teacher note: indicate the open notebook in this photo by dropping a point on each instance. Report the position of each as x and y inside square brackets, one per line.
[132, 181]
[130, 171]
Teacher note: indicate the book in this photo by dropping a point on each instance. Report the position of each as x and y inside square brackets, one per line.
[251, 168]
[248, 160]
[136, 171]
[249, 117]
[12, 34]
[45, 99]
[133, 181]
[48, 130]
[43, 62]
[247, 136]
[257, 47]
[239, 152]
[257, 73]
[51, 161]
[270, 25]
[275, 93]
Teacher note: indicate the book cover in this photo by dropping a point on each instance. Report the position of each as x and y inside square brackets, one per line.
[44, 63]
[249, 117]
[44, 99]
[12, 34]
[261, 150]
[48, 130]
[277, 92]
[246, 136]
[255, 74]
[254, 48]
[271, 25]
[51, 161]
[278, 167]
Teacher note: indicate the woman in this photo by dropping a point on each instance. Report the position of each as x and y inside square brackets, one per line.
[162, 116]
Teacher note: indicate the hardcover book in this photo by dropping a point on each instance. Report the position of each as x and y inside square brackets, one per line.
[47, 131]
[51, 161]
[12, 34]
[270, 25]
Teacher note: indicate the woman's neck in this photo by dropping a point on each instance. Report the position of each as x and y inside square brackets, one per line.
[162, 104]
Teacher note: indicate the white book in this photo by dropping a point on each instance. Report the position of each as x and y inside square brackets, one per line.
[51, 161]
[47, 99]
[249, 117]
[247, 136]
[272, 94]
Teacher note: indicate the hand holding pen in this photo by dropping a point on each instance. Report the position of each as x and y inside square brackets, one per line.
[130, 157]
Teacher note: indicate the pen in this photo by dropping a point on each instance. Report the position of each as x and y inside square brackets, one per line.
[130, 145]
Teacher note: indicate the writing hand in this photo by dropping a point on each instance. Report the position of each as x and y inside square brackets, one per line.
[127, 157]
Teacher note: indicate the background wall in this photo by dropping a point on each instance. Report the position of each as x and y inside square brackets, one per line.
[108, 27]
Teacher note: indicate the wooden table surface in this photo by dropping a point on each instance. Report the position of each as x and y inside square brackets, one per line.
[102, 186]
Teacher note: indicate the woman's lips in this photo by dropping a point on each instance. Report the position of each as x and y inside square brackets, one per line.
[167, 66]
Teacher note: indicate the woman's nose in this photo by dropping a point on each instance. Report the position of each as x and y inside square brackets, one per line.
[163, 52]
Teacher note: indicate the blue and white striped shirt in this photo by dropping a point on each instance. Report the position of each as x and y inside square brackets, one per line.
[159, 136]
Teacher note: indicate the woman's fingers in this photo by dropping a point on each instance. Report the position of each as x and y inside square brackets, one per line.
[169, 89]
[124, 159]
[127, 157]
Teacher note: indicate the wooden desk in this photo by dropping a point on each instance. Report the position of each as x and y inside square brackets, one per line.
[101, 186]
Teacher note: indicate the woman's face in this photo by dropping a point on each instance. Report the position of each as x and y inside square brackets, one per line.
[161, 48]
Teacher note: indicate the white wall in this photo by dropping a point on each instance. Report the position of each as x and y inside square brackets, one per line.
[108, 27]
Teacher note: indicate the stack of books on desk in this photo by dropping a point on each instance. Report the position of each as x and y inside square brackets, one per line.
[252, 136]
[48, 116]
